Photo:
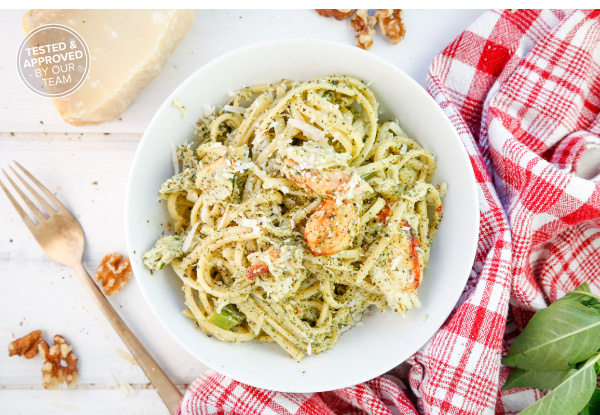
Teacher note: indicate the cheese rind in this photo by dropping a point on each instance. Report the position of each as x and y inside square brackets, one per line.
[127, 49]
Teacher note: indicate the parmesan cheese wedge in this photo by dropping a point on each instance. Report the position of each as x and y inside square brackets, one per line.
[127, 48]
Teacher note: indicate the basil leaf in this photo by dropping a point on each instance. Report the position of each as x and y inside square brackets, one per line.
[563, 334]
[583, 295]
[593, 306]
[535, 379]
[593, 406]
[583, 288]
[571, 396]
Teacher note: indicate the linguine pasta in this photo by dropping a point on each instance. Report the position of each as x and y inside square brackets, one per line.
[295, 210]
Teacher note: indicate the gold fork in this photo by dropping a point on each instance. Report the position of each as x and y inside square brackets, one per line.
[61, 237]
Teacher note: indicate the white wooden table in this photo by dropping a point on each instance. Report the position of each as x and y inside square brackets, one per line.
[87, 167]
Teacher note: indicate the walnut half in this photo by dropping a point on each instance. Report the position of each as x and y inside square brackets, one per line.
[338, 14]
[60, 363]
[364, 26]
[113, 272]
[390, 22]
[26, 346]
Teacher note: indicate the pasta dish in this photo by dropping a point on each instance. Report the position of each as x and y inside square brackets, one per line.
[295, 209]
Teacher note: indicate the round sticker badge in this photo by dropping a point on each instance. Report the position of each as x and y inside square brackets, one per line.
[53, 61]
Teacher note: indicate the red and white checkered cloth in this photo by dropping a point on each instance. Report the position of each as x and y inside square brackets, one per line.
[522, 89]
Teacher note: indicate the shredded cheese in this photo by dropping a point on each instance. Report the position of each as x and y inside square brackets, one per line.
[259, 323]
[127, 357]
[234, 109]
[248, 223]
[309, 130]
[182, 107]
[395, 263]
[397, 130]
[187, 243]
[224, 216]
[208, 110]
[174, 158]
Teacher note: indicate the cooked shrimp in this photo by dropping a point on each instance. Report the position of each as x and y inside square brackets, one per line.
[337, 182]
[397, 272]
[400, 266]
[329, 229]
[256, 270]
[406, 259]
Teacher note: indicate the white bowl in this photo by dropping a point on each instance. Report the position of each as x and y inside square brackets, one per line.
[385, 339]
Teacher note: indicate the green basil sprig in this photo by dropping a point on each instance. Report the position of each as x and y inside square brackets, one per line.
[559, 350]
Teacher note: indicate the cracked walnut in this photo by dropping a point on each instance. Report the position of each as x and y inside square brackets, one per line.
[60, 363]
[113, 272]
[26, 346]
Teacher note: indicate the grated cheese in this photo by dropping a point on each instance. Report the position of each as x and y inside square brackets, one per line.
[187, 243]
[127, 357]
[174, 158]
[395, 263]
[126, 390]
[208, 110]
[182, 107]
[234, 109]
[397, 130]
[258, 326]
[248, 223]
[243, 167]
[309, 130]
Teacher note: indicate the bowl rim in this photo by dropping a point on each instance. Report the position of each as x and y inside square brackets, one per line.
[472, 184]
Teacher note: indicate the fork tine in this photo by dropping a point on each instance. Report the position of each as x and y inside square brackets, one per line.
[33, 208]
[41, 200]
[40, 186]
[19, 209]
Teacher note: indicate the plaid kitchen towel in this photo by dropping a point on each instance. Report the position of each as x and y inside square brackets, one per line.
[522, 88]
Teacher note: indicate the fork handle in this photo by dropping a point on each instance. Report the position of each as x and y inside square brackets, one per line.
[165, 388]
